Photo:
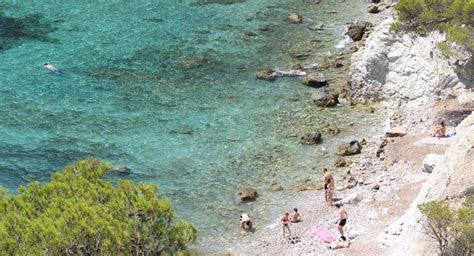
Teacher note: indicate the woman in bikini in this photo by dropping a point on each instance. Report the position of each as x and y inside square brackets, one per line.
[285, 222]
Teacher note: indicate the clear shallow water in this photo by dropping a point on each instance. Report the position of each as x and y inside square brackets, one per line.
[168, 88]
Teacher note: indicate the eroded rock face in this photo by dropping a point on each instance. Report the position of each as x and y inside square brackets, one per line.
[348, 149]
[406, 67]
[247, 194]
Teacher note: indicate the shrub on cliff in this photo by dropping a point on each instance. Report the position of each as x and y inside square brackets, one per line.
[455, 17]
[453, 230]
[79, 213]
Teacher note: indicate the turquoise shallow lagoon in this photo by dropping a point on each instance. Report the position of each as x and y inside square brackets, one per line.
[168, 88]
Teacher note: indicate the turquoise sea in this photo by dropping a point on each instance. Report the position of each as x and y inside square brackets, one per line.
[168, 89]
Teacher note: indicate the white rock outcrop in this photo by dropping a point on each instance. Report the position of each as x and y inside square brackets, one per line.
[407, 67]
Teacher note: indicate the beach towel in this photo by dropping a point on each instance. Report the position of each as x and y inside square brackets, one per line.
[324, 234]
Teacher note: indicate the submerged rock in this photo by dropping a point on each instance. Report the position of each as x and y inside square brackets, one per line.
[348, 149]
[340, 162]
[295, 17]
[122, 168]
[268, 74]
[247, 194]
[275, 187]
[311, 138]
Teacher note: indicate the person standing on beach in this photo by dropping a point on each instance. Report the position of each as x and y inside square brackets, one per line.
[285, 222]
[342, 220]
[328, 186]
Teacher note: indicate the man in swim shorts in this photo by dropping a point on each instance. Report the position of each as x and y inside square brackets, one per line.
[342, 220]
[285, 223]
[328, 186]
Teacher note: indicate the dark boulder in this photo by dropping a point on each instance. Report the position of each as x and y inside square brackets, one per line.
[247, 194]
[356, 30]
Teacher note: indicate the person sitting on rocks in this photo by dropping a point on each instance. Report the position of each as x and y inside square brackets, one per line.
[328, 186]
[285, 223]
[295, 216]
[440, 130]
[245, 222]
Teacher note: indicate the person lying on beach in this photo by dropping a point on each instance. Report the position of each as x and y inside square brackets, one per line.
[245, 222]
[342, 220]
[328, 186]
[439, 130]
[285, 223]
[295, 216]
[51, 68]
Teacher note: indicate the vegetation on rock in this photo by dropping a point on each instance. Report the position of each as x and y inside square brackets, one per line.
[453, 230]
[455, 17]
[79, 213]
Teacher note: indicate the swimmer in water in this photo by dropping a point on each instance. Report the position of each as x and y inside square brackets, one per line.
[51, 68]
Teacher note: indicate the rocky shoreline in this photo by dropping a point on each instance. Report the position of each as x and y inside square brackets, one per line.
[382, 185]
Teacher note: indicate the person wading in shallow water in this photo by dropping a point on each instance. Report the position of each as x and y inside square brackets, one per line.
[342, 220]
[328, 186]
[245, 222]
[285, 223]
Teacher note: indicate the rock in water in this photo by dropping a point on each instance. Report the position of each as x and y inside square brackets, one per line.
[397, 131]
[356, 30]
[119, 168]
[275, 187]
[295, 17]
[314, 80]
[247, 194]
[373, 8]
[268, 74]
[348, 149]
[323, 98]
[311, 138]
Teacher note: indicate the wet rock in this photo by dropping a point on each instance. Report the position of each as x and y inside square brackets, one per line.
[297, 67]
[311, 138]
[119, 168]
[397, 131]
[373, 8]
[348, 149]
[295, 17]
[333, 129]
[300, 55]
[247, 194]
[340, 162]
[317, 1]
[264, 29]
[376, 1]
[356, 30]
[324, 98]
[268, 74]
[275, 187]
[314, 80]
